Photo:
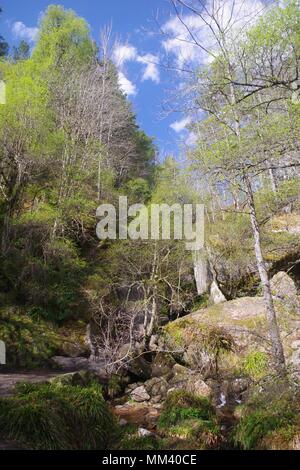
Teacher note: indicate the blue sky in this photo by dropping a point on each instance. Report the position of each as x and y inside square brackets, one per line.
[132, 21]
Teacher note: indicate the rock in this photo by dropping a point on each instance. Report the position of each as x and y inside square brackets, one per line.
[162, 365]
[134, 385]
[216, 296]
[243, 320]
[153, 344]
[180, 370]
[156, 386]
[140, 414]
[157, 399]
[140, 394]
[199, 359]
[295, 359]
[186, 379]
[134, 361]
[198, 387]
[283, 286]
[181, 374]
[123, 422]
[82, 378]
[70, 363]
[142, 432]
[239, 385]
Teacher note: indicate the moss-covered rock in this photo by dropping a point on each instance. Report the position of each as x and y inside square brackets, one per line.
[73, 339]
[82, 378]
[232, 337]
[162, 365]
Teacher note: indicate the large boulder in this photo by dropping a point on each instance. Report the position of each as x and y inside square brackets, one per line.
[82, 378]
[157, 388]
[243, 332]
[134, 361]
[283, 286]
[162, 365]
[70, 363]
[73, 340]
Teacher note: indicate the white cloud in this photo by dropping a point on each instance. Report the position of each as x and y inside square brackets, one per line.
[151, 71]
[126, 85]
[21, 31]
[179, 126]
[191, 139]
[178, 42]
[232, 15]
[123, 53]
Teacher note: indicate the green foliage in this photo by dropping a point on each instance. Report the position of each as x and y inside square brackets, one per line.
[52, 417]
[135, 442]
[255, 364]
[191, 419]
[115, 385]
[202, 301]
[181, 405]
[29, 342]
[44, 274]
[137, 190]
[64, 38]
[63, 155]
[266, 413]
[21, 52]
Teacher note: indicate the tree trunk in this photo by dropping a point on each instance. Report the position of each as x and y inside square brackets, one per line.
[274, 334]
[273, 180]
[151, 314]
[200, 271]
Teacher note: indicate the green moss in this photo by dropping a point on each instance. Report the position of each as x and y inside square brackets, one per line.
[29, 343]
[190, 419]
[194, 428]
[255, 364]
[48, 416]
[115, 385]
[267, 413]
[202, 301]
[181, 405]
[256, 323]
[135, 442]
